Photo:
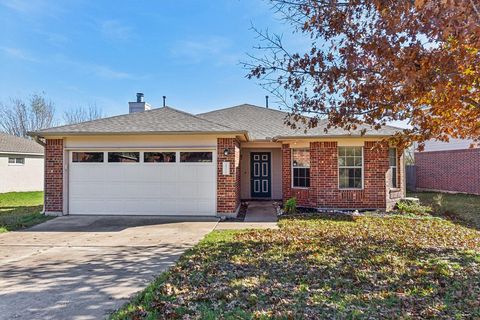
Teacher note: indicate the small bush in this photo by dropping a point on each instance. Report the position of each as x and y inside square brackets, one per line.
[411, 207]
[291, 206]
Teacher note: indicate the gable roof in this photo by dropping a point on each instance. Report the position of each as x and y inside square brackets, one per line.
[255, 123]
[13, 144]
[266, 124]
[164, 120]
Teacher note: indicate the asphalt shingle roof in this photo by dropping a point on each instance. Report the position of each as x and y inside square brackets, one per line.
[14, 144]
[262, 123]
[160, 120]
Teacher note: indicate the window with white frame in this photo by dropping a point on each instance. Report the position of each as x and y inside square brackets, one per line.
[301, 168]
[350, 167]
[392, 153]
[16, 161]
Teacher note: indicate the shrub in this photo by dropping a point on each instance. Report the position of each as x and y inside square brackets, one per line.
[291, 206]
[412, 207]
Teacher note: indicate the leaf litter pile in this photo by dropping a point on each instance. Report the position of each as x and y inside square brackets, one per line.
[362, 267]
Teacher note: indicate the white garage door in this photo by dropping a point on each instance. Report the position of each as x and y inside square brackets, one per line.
[143, 182]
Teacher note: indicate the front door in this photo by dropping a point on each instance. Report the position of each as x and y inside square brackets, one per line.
[260, 173]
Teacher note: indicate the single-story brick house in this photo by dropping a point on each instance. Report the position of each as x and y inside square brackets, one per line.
[452, 166]
[168, 162]
[21, 164]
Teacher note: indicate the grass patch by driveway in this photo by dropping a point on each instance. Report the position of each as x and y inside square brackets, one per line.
[20, 210]
[457, 207]
[324, 267]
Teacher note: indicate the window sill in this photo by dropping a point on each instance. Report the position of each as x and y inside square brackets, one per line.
[301, 188]
[395, 189]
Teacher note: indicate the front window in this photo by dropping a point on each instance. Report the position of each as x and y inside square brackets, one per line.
[392, 152]
[18, 161]
[196, 156]
[87, 156]
[350, 167]
[301, 168]
[124, 157]
[159, 157]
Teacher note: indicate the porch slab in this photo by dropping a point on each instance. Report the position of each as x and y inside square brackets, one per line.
[261, 211]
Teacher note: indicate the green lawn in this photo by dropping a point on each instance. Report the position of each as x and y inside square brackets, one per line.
[20, 210]
[457, 207]
[325, 267]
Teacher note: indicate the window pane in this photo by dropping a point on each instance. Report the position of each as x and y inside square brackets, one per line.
[343, 183]
[350, 161]
[301, 157]
[392, 152]
[87, 156]
[301, 177]
[124, 157]
[159, 157]
[21, 160]
[11, 160]
[196, 156]
[394, 177]
[358, 162]
[357, 183]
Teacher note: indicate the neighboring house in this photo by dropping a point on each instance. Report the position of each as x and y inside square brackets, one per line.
[21, 164]
[169, 162]
[449, 166]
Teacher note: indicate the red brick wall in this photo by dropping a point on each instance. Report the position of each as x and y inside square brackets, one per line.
[228, 186]
[54, 175]
[324, 191]
[449, 170]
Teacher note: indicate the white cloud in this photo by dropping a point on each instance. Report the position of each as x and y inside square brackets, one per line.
[107, 72]
[98, 70]
[115, 30]
[32, 7]
[55, 39]
[18, 54]
[196, 51]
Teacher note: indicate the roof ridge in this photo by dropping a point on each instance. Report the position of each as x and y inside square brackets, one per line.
[138, 113]
[199, 118]
[243, 105]
[95, 120]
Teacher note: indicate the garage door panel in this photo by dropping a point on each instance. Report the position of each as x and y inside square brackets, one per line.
[96, 173]
[142, 188]
[204, 173]
[205, 190]
[206, 206]
[87, 189]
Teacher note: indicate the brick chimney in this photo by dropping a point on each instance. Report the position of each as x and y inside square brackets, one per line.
[140, 105]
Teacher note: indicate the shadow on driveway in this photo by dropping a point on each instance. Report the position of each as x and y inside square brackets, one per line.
[79, 274]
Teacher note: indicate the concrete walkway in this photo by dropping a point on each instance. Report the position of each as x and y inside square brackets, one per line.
[261, 211]
[84, 267]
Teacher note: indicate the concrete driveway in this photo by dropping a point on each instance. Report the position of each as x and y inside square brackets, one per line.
[85, 267]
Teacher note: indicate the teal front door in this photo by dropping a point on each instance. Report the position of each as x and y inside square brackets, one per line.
[260, 174]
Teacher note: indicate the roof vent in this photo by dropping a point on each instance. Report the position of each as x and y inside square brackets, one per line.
[140, 105]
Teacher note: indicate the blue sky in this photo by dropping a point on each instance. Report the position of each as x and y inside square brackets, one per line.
[82, 52]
